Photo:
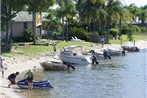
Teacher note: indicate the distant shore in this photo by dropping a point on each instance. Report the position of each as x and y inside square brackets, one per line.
[23, 63]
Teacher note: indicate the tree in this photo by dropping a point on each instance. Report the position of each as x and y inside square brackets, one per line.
[117, 14]
[9, 10]
[92, 11]
[54, 24]
[136, 11]
[35, 6]
[143, 14]
[66, 11]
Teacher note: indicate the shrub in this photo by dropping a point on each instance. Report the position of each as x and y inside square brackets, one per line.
[92, 36]
[114, 32]
[125, 29]
[18, 39]
[135, 29]
[55, 35]
[78, 32]
[129, 31]
[28, 34]
[143, 29]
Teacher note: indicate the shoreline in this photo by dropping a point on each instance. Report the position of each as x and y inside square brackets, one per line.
[24, 63]
[14, 65]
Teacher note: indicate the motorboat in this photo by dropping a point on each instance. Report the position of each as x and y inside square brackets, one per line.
[72, 54]
[131, 49]
[53, 65]
[113, 52]
[36, 84]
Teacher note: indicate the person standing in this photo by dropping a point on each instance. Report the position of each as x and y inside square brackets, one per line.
[123, 52]
[12, 78]
[106, 55]
[30, 77]
[1, 67]
[2, 70]
[54, 47]
[102, 40]
[94, 60]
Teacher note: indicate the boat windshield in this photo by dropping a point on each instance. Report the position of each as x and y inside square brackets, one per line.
[73, 48]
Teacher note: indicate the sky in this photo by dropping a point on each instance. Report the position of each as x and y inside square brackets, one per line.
[138, 3]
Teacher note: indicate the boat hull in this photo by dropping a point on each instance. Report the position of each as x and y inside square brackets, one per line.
[36, 84]
[79, 60]
[57, 66]
[131, 49]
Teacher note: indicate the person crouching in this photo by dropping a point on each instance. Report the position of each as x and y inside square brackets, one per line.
[12, 78]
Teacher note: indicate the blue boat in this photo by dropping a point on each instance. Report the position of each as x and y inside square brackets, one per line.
[36, 84]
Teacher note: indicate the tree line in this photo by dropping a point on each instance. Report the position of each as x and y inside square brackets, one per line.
[92, 15]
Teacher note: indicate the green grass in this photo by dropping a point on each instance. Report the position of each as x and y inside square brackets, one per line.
[63, 44]
[125, 39]
[33, 50]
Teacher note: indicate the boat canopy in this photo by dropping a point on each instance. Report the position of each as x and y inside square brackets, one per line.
[72, 47]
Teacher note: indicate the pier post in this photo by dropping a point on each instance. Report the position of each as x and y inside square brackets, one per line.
[121, 41]
[134, 43]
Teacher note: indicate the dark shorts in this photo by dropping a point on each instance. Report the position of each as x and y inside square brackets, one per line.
[30, 79]
[12, 81]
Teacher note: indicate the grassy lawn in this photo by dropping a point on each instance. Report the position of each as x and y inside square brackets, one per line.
[33, 50]
[125, 39]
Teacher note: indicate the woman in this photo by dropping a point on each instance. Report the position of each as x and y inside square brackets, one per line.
[30, 77]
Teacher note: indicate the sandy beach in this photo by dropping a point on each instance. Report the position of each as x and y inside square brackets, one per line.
[13, 64]
[23, 63]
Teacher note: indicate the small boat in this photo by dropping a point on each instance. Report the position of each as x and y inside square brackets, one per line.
[53, 65]
[131, 49]
[113, 52]
[69, 55]
[36, 84]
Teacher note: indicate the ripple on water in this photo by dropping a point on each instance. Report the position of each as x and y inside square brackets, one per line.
[121, 77]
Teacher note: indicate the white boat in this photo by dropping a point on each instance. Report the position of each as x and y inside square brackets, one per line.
[71, 55]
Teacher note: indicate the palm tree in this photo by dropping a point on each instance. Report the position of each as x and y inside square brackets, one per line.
[143, 15]
[136, 11]
[113, 8]
[54, 23]
[92, 10]
[66, 11]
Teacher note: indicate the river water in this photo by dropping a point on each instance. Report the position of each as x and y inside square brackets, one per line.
[120, 77]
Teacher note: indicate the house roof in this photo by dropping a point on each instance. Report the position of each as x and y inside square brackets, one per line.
[25, 17]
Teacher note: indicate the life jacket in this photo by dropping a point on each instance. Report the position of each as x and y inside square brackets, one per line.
[30, 74]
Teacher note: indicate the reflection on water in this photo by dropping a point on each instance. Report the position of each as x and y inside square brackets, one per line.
[121, 77]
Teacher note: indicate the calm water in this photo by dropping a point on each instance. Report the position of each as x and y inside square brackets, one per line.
[121, 77]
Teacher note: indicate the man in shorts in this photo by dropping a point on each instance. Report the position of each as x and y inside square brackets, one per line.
[12, 78]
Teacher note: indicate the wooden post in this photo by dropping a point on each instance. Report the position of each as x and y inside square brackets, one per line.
[121, 41]
[134, 43]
